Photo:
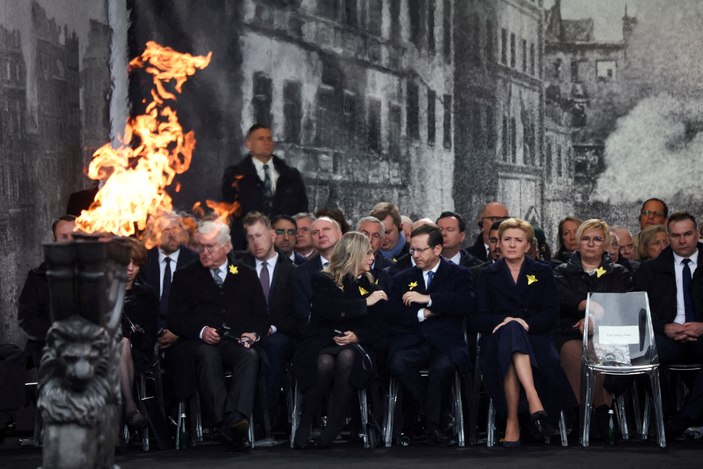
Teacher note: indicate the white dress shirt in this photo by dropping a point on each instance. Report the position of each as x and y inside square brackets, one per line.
[162, 266]
[259, 166]
[421, 311]
[678, 270]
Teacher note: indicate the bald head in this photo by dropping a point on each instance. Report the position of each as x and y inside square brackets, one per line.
[492, 212]
[423, 222]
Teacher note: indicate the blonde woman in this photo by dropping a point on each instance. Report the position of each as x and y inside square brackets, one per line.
[333, 357]
[652, 240]
[517, 306]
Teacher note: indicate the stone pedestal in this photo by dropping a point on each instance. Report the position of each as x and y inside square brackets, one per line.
[79, 393]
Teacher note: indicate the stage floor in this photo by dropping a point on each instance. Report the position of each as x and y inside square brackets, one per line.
[350, 454]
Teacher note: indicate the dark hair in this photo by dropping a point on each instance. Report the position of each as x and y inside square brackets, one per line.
[278, 218]
[681, 216]
[495, 225]
[447, 214]
[435, 235]
[256, 127]
[654, 199]
[58, 220]
[336, 215]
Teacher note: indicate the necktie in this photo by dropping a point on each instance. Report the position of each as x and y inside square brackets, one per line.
[687, 297]
[216, 276]
[430, 275]
[267, 182]
[165, 290]
[264, 279]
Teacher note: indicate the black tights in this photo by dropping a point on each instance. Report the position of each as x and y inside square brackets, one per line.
[332, 372]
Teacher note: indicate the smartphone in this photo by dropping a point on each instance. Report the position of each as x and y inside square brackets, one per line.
[338, 333]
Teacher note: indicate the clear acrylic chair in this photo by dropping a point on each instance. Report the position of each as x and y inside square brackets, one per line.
[620, 330]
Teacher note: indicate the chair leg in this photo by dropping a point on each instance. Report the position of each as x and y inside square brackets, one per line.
[141, 395]
[637, 409]
[622, 417]
[562, 430]
[196, 420]
[364, 411]
[491, 425]
[473, 388]
[657, 398]
[295, 413]
[588, 382]
[251, 432]
[390, 412]
[646, 416]
[458, 410]
[181, 411]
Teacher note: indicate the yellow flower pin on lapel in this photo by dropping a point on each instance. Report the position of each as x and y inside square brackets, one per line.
[233, 270]
[600, 271]
[412, 285]
[531, 279]
[363, 291]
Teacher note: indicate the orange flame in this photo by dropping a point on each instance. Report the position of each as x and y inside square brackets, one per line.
[154, 149]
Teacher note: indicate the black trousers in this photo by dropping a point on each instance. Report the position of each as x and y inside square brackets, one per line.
[211, 362]
[405, 366]
[671, 352]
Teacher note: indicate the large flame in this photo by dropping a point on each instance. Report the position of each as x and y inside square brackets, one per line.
[154, 149]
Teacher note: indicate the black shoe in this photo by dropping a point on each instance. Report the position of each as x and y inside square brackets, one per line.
[302, 437]
[438, 438]
[511, 444]
[319, 443]
[544, 428]
[136, 421]
[675, 427]
[237, 435]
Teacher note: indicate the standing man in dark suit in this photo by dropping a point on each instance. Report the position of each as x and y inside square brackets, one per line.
[674, 283]
[453, 230]
[219, 308]
[491, 213]
[325, 236]
[372, 228]
[275, 273]
[168, 256]
[428, 305]
[262, 182]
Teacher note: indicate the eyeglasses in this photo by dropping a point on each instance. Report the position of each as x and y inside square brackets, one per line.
[412, 251]
[655, 213]
[281, 232]
[594, 239]
[209, 247]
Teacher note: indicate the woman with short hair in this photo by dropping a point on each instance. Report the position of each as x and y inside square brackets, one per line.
[518, 306]
[590, 269]
[334, 356]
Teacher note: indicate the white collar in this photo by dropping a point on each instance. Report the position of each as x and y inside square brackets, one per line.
[271, 261]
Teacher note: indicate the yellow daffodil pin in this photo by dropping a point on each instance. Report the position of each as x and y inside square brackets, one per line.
[363, 291]
[531, 279]
[233, 270]
[600, 271]
[412, 285]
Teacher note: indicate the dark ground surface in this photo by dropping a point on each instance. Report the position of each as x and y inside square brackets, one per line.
[350, 454]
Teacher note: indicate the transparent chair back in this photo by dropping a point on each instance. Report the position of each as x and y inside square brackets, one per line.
[620, 328]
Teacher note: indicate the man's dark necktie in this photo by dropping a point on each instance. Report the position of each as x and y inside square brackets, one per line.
[165, 291]
[430, 276]
[687, 296]
[216, 276]
[268, 184]
[264, 279]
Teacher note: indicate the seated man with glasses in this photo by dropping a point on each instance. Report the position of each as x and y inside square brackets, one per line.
[427, 307]
[491, 213]
[286, 229]
[218, 309]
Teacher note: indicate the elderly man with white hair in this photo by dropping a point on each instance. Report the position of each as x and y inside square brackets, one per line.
[218, 307]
